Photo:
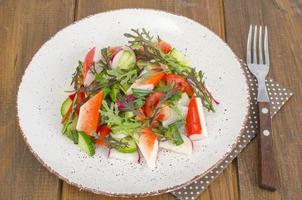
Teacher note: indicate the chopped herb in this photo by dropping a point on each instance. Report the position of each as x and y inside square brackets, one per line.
[171, 133]
[122, 76]
[115, 89]
[77, 76]
[139, 93]
[104, 63]
[114, 143]
[196, 79]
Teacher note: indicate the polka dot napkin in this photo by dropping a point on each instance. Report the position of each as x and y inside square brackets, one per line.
[278, 96]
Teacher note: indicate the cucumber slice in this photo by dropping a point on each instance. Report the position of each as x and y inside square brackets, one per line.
[179, 57]
[65, 106]
[130, 148]
[126, 61]
[69, 129]
[118, 135]
[86, 143]
[129, 114]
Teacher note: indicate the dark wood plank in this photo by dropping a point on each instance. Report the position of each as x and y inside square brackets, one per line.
[283, 18]
[25, 26]
[209, 13]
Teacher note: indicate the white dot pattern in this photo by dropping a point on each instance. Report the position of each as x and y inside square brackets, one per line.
[278, 96]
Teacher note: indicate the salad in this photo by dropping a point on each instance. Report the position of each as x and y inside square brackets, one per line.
[136, 99]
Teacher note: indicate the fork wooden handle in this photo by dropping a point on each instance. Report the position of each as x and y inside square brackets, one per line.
[268, 171]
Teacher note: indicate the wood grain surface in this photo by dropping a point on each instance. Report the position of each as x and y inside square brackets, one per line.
[26, 25]
[284, 20]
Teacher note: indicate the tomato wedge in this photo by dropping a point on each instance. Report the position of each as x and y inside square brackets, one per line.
[103, 131]
[140, 115]
[150, 105]
[88, 61]
[165, 47]
[151, 102]
[155, 78]
[193, 125]
[179, 83]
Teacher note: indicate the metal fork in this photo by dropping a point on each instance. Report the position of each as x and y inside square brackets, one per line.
[257, 58]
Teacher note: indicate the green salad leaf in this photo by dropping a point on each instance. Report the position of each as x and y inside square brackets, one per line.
[171, 133]
[118, 123]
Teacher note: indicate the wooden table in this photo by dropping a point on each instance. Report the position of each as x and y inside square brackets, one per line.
[26, 25]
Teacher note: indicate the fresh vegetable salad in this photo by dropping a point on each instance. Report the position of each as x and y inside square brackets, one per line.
[135, 99]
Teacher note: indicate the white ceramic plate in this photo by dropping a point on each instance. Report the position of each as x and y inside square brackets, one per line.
[42, 88]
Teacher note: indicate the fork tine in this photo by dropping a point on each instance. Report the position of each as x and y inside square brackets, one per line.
[266, 51]
[249, 46]
[260, 46]
[255, 46]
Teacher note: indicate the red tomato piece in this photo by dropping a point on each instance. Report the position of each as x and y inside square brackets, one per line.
[165, 47]
[103, 131]
[151, 102]
[179, 83]
[81, 97]
[72, 96]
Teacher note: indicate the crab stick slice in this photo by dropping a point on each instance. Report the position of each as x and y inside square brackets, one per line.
[148, 146]
[195, 121]
[88, 62]
[149, 84]
[155, 78]
[89, 114]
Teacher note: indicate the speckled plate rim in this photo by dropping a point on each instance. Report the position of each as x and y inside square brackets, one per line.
[166, 190]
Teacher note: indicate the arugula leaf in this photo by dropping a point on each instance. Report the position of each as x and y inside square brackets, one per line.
[175, 98]
[118, 123]
[122, 76]
[77, 76]
[102, 77]
[110, 114]
[111, 142]
[114, 92]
